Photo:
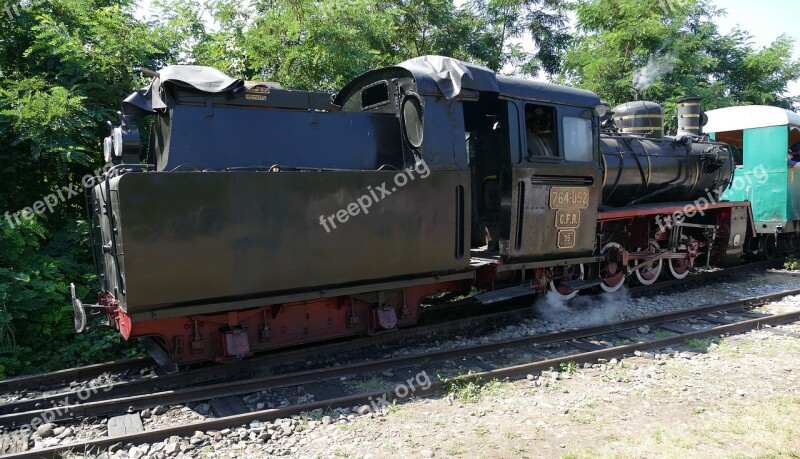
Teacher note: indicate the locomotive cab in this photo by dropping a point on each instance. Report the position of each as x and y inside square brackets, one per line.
[534, 171]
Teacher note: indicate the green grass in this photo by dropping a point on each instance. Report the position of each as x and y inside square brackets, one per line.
[369, 385]
[472, 391]
[661, 334]
[447, 373]
[465, 391]
[618, 376]
[472, 292]
[264, 372]
[569, 367]
[701, 343]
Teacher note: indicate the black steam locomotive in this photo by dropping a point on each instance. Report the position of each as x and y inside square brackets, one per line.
[265, 217]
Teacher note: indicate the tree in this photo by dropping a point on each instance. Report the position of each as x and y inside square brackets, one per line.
[626, 46]
[65, 69]
[507, 22]
[322, 44]
[65, 66]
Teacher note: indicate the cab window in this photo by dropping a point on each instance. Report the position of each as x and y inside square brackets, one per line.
[577, 138]
[540, 132]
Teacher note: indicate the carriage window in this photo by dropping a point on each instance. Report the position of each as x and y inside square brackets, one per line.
[577, 139]
[540, 131]
[372, 96]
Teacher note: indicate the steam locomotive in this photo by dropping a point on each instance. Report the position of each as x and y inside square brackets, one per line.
[265, 217]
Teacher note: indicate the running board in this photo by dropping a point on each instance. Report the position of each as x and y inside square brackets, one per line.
[505, 294]
[580, 284]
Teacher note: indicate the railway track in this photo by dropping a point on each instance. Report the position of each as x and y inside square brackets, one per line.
[50, 381]
[281, 361]
[42, 391]
[508, 359]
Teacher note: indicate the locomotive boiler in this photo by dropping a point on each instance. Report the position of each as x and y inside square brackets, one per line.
[260, 217]
[640, 165]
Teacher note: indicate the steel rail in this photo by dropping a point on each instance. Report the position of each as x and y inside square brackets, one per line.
[72, 374]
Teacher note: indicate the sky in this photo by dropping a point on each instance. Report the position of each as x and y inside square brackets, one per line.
[766, 20]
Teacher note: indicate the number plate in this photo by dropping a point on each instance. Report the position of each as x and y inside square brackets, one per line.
[566, 239]
[569, 197]
[568, 218]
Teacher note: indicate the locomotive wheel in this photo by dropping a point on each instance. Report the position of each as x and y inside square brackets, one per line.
[678, 268]
[648, 274]
[612, 272]
[572, 272]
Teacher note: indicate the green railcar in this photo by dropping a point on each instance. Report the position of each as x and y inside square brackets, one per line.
[762, 136]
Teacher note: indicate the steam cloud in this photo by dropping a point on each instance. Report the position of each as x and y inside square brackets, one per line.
[582, 311]
[657, 66]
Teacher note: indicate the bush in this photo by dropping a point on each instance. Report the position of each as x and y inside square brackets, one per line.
[792, 264]
[36, 329]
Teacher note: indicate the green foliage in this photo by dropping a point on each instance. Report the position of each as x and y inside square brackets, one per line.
[504, 23]
[321, 45]
[35, 313]
[792, 264]
[468, 391]
[65, 66]
[473, 390]
[568, 367]
[701, 343]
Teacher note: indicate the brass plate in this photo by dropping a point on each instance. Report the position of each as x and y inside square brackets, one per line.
[569, 197]
[568, 218]
[566, 239]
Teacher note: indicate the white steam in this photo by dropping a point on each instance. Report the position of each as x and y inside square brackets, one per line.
[582, 311]
[658, 65]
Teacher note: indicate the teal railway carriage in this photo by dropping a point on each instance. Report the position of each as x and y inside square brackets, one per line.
[762, 136]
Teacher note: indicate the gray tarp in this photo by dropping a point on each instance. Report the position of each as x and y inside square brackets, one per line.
[204, 79]
[451, 74]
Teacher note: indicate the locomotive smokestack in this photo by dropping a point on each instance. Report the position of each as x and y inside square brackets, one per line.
[690, 116]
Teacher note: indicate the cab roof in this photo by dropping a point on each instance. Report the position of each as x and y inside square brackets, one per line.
[439, 75]
[749, 117]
